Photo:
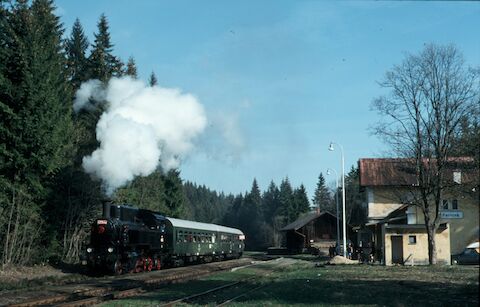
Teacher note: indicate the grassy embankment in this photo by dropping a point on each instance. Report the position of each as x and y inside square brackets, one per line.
[304, 283]
[19, 278]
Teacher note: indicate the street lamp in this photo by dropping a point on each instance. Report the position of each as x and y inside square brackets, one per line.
[336, 203]
[331, 148]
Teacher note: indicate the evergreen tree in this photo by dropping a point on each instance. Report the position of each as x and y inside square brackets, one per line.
[250, 216]
[76, 48]
[103, 64]
[42, 107]
[145, 192]
[38, 108]
[271, 203]
[232, 216]
[302, 204]
[153, 79]
[174, 197]
[131, 68]
[356, 212]
[254, 196]
[467, 144]
[322, 198]
[287, 205]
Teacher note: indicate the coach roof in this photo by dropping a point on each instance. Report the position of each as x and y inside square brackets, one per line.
[202, 226]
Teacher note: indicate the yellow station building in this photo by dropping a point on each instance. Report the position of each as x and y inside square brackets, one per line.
[396, 226]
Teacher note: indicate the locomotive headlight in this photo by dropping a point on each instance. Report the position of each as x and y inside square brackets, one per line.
[89, 249]
[161, 239]
[110, 249]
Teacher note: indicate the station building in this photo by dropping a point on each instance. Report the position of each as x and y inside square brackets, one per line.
[396, 225]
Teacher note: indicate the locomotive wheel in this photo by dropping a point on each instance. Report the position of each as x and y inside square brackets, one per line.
[118, 267]
[158, 263]
[148, 264]
[138, 265]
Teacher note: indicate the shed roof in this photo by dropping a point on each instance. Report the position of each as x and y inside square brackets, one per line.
[202, 226]
[304, 220]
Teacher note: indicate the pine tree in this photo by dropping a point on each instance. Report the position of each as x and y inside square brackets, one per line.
[254, 196]
[356, 213]
[250, 217]
[174, 196]
[271, 203]
[39, 117]
[131, 68]
[287, 209]
[76, 48]
[322, 198]
[103, 64]
[302, 204]
[153, 79]
[232, 216]
[45, 111]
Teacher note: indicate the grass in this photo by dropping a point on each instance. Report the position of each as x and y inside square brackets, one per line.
[18, 278]
[300, 282]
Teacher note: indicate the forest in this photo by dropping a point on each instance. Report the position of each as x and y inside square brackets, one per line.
[47, 200]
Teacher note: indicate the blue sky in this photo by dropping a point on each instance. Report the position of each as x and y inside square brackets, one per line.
[279, 79]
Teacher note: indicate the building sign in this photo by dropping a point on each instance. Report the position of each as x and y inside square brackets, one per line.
[451, 214]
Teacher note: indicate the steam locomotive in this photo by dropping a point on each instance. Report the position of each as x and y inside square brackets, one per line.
[128, 239]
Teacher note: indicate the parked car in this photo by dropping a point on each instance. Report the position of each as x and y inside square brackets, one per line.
[470, 255]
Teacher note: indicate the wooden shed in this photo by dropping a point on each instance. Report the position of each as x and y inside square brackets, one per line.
[313, 229]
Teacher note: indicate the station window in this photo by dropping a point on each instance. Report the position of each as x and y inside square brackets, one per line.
[412, 239]
[445, 204]
[454, 204]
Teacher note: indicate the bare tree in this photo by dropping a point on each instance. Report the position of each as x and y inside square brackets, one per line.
[428, 95]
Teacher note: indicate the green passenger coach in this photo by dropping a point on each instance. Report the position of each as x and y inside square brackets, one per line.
[194, 241]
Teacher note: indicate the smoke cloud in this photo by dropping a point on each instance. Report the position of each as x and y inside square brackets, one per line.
[143, 127]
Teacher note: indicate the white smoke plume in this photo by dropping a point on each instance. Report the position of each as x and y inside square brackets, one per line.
[90, 89]
[141, 128]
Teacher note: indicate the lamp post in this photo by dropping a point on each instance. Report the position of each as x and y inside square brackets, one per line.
[331, 148]
[336, 203]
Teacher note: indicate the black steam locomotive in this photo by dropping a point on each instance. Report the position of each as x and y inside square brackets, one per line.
[128, 239]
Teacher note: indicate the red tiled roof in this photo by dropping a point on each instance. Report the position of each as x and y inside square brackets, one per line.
[401, 172]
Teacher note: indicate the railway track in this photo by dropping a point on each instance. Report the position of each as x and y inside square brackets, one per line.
[124, 286]
[224, 294]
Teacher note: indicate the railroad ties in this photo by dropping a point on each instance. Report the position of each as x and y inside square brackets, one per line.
[127, 285]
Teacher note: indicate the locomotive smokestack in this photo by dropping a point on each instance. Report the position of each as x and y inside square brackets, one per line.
[107, 203]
